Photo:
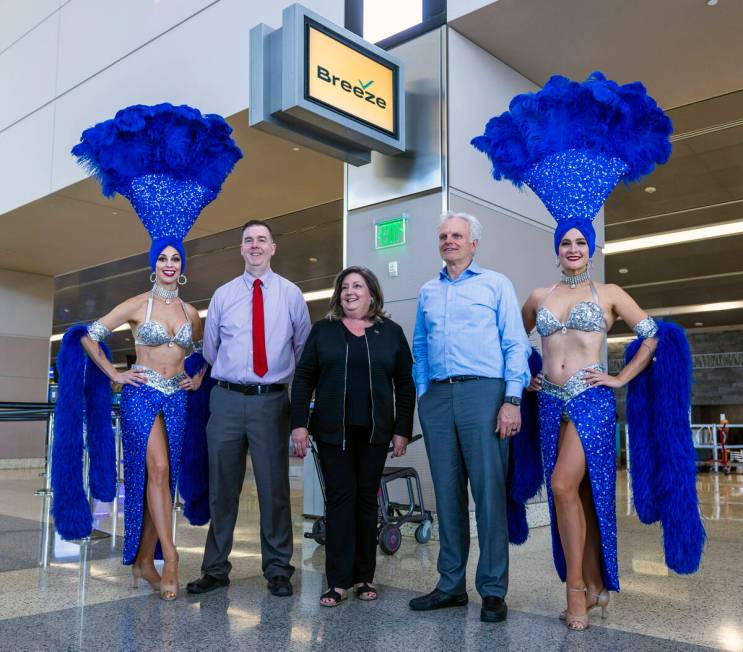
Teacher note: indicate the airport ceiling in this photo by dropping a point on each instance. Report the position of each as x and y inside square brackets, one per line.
[273, 178]
[684, 51]
[688, 54]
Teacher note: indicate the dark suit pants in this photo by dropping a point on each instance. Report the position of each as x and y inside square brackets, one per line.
[260, 424]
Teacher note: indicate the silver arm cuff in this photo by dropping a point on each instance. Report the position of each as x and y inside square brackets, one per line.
[98, 332]
[198, 347]
[646, 328]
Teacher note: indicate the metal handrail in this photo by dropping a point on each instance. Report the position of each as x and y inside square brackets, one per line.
[18, 411]
[28, 411]
[23, 416]
[21, 405]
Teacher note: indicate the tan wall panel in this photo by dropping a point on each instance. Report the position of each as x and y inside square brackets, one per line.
[23, 377]
[27, 302]
[22, 440]
[18, 388]
[22, 357]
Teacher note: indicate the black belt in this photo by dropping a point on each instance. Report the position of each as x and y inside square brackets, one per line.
[458, 379]
[251, 390]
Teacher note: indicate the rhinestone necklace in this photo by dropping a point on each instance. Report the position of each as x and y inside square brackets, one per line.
[573, 281]
[166, 295]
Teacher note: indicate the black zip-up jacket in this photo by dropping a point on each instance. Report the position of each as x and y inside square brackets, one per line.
[322, 370]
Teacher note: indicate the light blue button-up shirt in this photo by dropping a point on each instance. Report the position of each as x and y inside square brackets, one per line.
[470, 327]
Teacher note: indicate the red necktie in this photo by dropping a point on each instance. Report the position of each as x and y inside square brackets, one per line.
[260, 364]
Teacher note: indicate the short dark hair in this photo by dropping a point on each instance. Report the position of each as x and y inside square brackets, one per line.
[376, 309]
[256, 223]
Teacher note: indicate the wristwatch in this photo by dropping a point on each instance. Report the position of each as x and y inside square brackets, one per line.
[513, 400]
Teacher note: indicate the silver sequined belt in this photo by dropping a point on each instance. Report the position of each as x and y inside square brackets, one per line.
[572, 387]
[157, 381]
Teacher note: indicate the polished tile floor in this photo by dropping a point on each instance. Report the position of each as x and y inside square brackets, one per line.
[56, 595]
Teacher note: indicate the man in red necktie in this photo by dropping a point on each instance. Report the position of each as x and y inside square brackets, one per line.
[254, 334]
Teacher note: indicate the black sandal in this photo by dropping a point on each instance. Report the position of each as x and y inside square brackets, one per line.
[366, 589]
[332, 594]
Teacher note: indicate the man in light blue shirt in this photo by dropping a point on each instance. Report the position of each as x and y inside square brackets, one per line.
[471, 365]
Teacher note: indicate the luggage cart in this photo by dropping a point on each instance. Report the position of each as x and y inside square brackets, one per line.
[392, 515]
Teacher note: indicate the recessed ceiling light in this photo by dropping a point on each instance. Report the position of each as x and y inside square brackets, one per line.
[296, 149]
[650, 189]
[114, 212]
[695, 308]
[698, 323]
[66, 309]
[623, 270]
[312, 259]
[711, 3]
[674, 237]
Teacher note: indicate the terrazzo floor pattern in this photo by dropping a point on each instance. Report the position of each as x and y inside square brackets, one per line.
[83, 599]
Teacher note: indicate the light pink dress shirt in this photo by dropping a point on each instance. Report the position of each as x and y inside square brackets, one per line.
[228, 338]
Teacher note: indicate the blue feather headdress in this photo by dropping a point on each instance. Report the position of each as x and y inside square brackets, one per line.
[572, 142]
[168, 161]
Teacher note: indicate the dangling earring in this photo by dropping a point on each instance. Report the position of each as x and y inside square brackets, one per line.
[184, 281]
[153, 276]
[557, 262]
[590, 263]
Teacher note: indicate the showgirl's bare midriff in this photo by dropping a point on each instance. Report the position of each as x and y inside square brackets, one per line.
[166, 360]
[565, 353]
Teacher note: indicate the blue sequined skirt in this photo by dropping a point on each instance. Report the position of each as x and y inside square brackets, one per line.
[139, 408]
[593, 412]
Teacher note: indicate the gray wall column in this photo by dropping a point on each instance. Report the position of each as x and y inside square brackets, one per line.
[454, 87]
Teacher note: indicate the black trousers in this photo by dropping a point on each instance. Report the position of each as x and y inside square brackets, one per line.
[351, 482]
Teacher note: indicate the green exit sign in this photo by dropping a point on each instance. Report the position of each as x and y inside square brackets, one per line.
[390, 233]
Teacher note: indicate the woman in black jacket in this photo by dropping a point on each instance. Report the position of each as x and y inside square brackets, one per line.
[358, 364]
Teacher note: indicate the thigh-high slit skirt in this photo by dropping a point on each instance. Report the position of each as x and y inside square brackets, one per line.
[139, 408]
[593, 412]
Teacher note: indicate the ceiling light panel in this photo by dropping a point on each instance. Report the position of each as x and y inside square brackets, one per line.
[674, 237]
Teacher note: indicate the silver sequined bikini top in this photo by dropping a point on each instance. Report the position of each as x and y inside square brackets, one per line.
[586, 316]
[153, 333]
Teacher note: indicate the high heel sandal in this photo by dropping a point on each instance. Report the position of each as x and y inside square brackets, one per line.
[137, 575]
[169, 592]
[601, 600]
[577, 622]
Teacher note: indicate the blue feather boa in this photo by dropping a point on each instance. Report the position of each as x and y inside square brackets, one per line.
[85, 400]
[597, 115]
[84, 397]
[525, 474]
[662, 457]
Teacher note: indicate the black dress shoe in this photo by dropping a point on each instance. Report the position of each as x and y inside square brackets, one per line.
[494, 610]
[437, 599]
[280, 586]
[207, 583]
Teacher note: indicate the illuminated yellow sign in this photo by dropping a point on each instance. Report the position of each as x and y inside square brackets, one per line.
[345, 79]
